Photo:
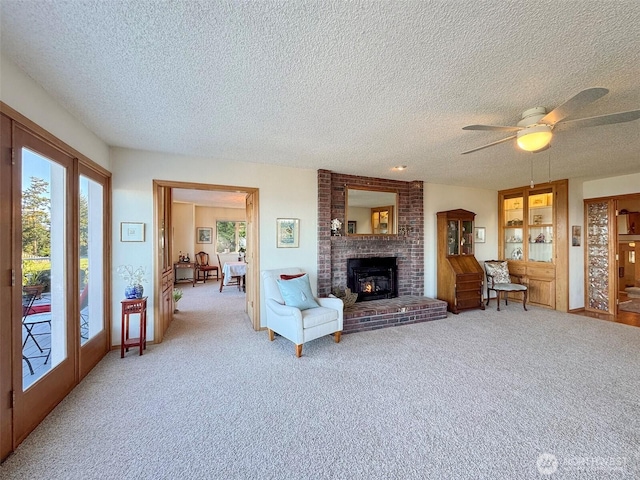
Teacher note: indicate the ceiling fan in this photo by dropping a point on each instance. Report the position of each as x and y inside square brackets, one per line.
[533, 131]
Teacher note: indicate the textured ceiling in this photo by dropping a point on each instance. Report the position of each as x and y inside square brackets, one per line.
[354, 87]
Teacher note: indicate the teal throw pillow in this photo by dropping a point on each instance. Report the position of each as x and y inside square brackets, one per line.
[297, 292]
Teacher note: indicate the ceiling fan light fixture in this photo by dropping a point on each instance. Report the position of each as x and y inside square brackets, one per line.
[534, 138]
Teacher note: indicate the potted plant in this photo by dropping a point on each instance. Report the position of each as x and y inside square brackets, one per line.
[177, 295]
[35, 282]
[134, 277]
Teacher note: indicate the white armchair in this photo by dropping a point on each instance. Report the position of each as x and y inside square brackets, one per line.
[297, 325]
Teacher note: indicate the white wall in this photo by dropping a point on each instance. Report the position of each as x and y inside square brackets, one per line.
[437, 198]
[283, 192]
[22, 94]
[208, 217]
[576, 254]
[608, 187]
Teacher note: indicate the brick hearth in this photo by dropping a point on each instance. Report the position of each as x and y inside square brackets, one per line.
[392, 312]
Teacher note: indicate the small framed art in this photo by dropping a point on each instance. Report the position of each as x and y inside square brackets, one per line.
[204, 235]
[287, 232]
[131, 232]
[576, 235]
[351, 227]
[478, 235]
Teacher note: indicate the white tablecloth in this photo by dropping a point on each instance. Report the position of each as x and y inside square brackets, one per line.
[233, 269]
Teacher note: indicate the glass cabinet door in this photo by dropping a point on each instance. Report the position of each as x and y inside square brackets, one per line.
[460, 237]
[453, 234]
[513, 228]
[466, 242]
[540, 226]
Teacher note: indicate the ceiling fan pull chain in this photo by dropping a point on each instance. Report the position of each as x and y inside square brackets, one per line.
[532, 185]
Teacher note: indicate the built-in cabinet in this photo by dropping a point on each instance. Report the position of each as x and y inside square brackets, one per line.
[533, 238]
[460, 276]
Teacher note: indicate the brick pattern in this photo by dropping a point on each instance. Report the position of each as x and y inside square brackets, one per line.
[333, 252]
[392, 312]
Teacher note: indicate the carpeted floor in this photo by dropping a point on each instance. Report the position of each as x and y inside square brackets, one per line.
[483, 394]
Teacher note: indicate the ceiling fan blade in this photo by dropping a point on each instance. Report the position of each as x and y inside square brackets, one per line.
[492, 127]
[601, 120]
[490, 144]
[571, 106]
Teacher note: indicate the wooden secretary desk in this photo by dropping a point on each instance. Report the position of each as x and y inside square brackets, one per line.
[460, 276]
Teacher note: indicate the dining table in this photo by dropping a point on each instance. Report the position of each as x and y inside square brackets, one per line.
[234, 269]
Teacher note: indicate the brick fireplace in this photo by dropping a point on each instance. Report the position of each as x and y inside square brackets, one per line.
[333, 252]
[407, 247]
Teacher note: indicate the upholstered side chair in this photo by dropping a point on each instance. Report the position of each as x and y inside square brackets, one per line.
[501, 281]
[294, 313]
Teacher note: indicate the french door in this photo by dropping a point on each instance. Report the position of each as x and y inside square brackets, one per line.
[43, 333]
[54, 245]
[93, 231]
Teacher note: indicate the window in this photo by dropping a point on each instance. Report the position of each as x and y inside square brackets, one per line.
[231, 236]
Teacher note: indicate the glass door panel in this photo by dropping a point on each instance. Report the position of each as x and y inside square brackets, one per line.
[44, 281]
[467, 237]
[44, 357]
[513, 228]
[541, 244]
[513, 243]
[540, 227]
[598, 239]
[452, 237]
[91, 259]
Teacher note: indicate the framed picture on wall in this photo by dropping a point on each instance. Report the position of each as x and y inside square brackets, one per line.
[479, 234]
[131, 232]
[287, 232]
[204, 235]
[351, 227]
[576, 235]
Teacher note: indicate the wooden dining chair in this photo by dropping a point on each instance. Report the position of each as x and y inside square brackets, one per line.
[203, 268]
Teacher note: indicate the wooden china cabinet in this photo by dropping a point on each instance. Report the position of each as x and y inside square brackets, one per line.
[460, 276]
[533, 238]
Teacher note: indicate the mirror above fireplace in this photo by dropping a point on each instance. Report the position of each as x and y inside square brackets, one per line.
[371, 212]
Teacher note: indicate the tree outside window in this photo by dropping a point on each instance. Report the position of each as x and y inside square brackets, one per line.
[230, 236]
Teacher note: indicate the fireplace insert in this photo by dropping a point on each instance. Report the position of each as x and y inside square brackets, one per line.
[373, 278]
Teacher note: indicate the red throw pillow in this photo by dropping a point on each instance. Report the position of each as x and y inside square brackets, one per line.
[290, 277]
